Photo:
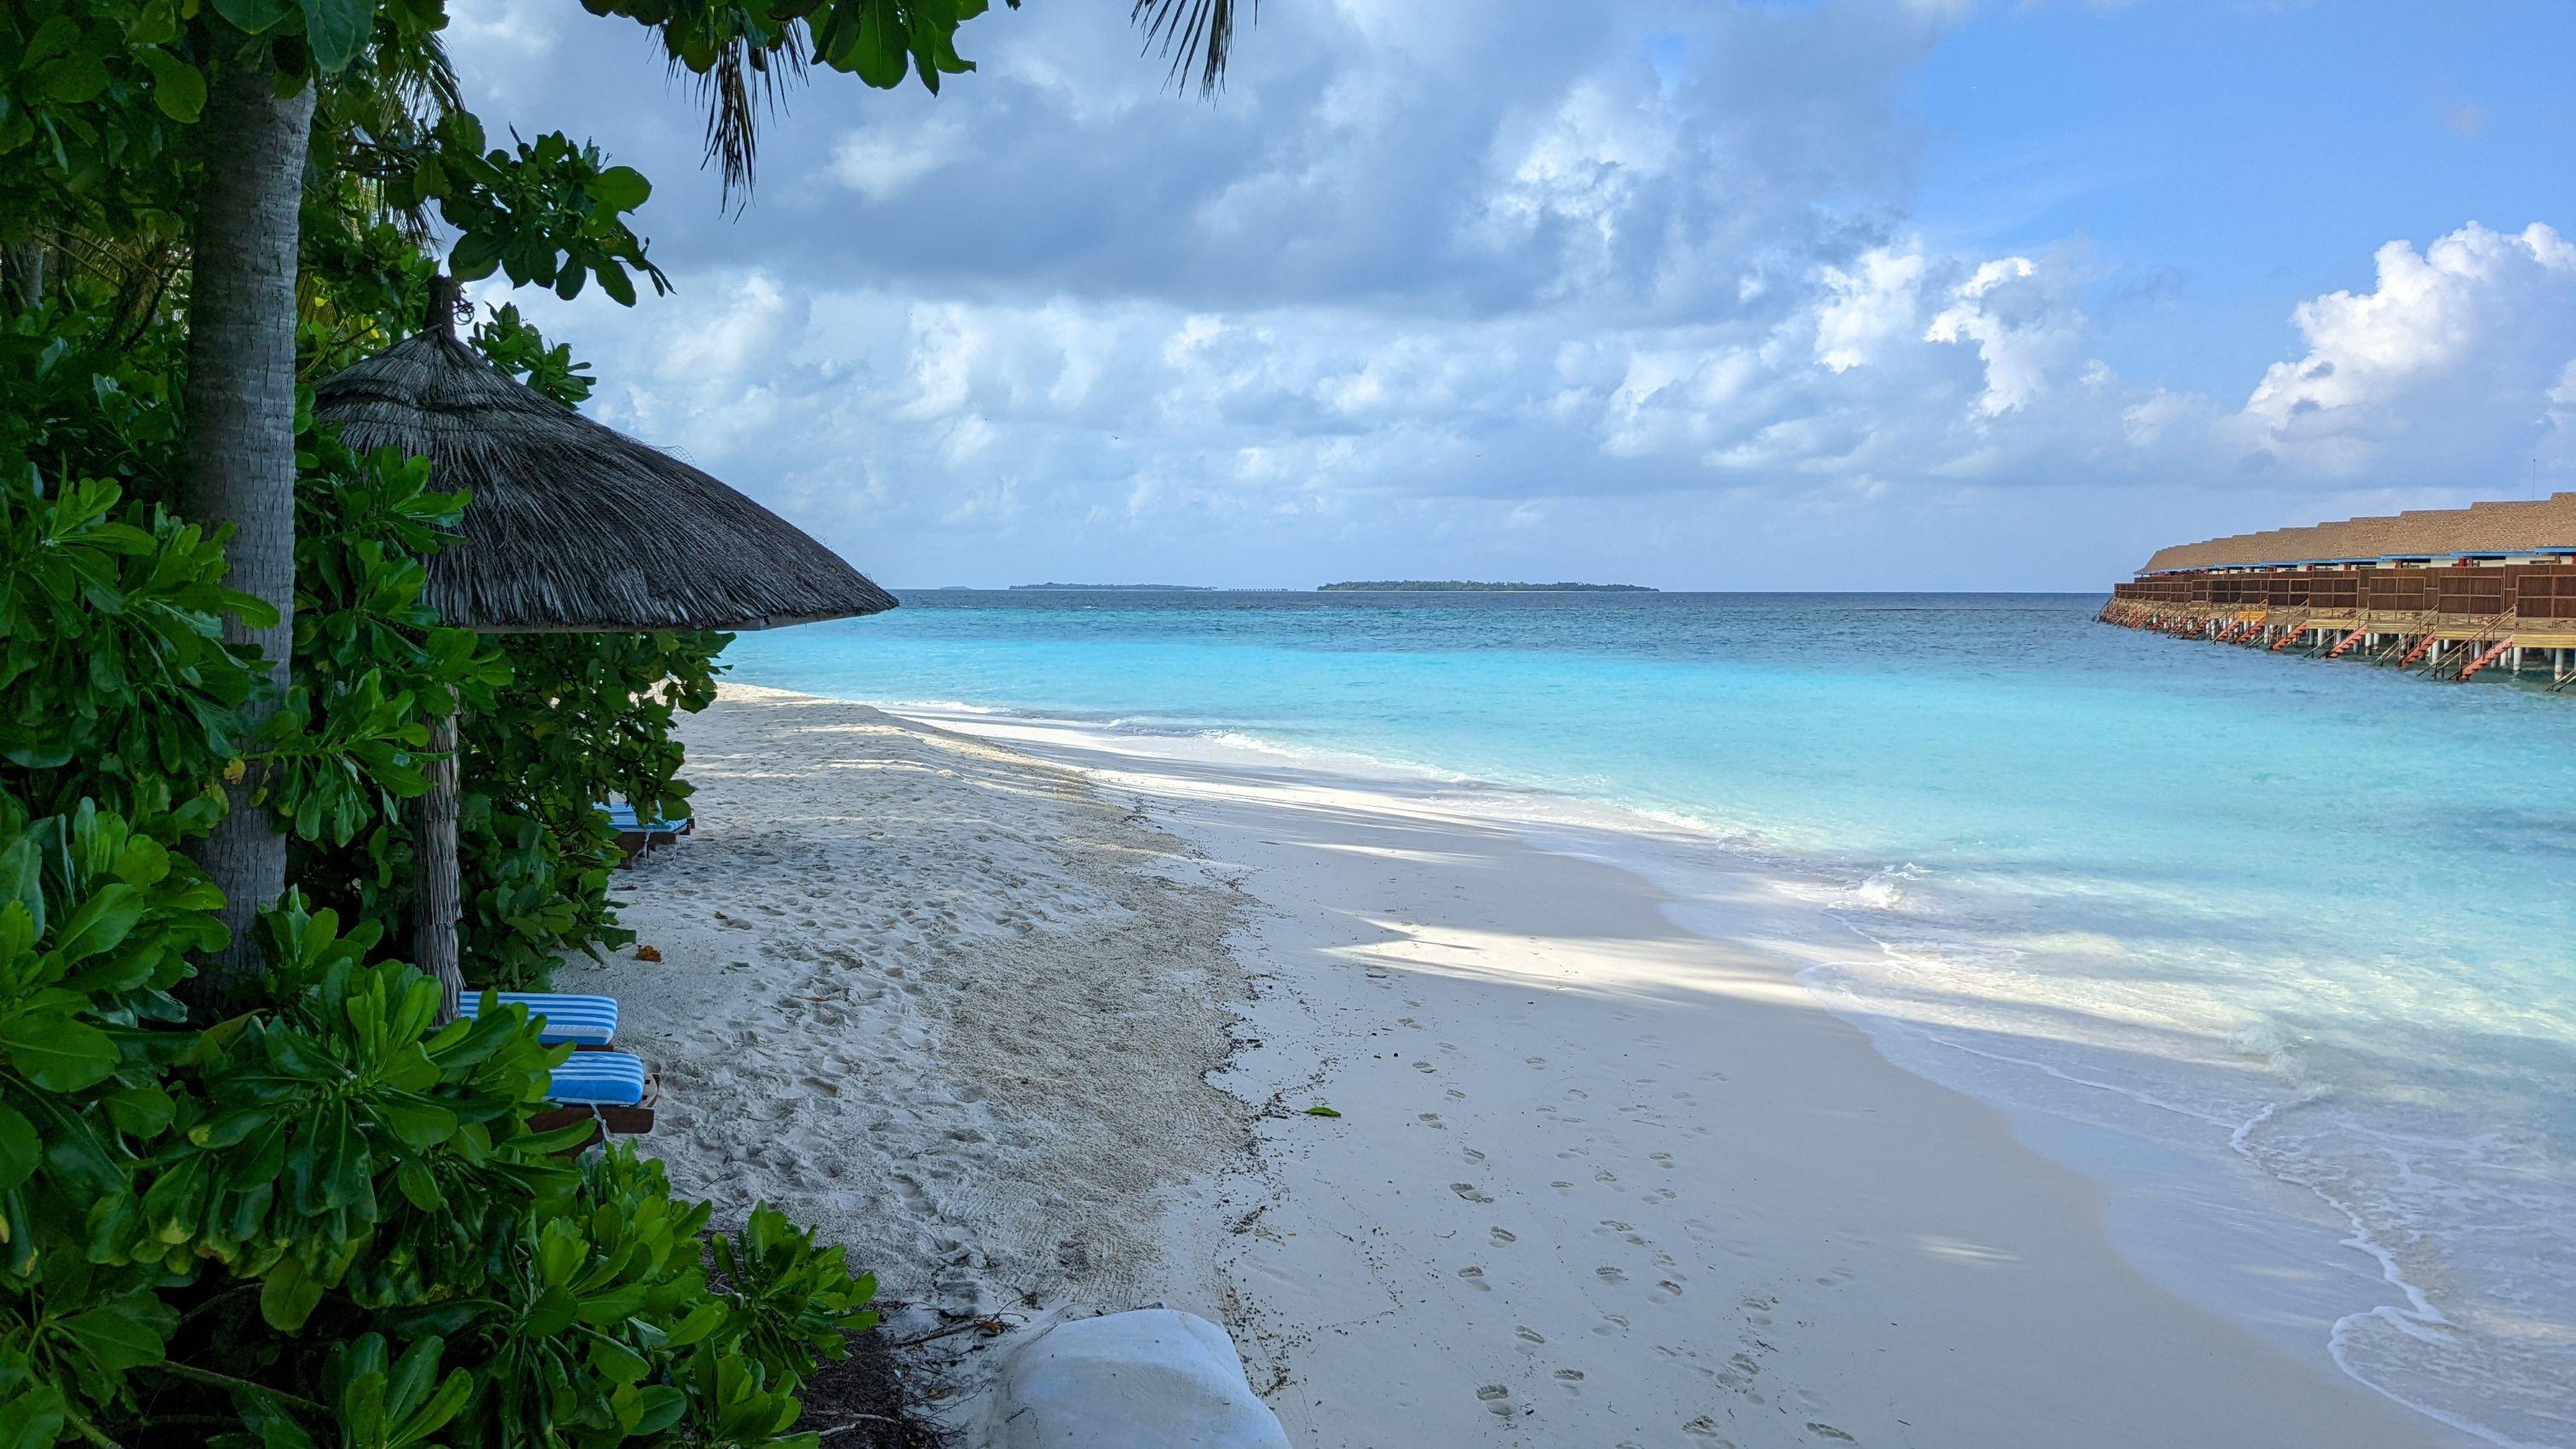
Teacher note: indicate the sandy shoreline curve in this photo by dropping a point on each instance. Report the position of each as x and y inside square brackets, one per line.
[1031, 1017]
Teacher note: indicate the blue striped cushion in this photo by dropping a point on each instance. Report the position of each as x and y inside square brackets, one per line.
[598, 1078]
[581, 1020]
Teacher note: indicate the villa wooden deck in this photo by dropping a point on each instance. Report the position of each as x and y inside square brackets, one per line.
[2491, 593]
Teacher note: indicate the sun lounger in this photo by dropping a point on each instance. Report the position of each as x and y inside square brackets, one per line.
[636, 836]
[610, 1088]
[585, 1021]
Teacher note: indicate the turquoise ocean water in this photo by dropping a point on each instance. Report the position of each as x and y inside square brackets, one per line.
[2306, 928]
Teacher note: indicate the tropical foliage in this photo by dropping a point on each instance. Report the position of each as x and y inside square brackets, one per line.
[314, 1213]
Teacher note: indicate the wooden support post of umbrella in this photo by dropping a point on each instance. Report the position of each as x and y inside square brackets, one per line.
[570, 527]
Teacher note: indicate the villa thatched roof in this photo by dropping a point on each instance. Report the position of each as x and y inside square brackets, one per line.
[2482, 528]
[573, 526]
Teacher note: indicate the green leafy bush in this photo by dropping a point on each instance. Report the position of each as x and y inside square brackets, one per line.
[183, 1206]
[317, 1215]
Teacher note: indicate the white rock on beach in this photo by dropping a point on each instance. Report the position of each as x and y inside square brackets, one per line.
[1150, 1379]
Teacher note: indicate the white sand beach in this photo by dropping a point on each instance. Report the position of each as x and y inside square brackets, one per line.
[1030, 1018]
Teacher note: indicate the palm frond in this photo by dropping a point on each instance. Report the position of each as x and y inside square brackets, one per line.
[135, 268]
[423, 82]
[747, 79]
[376, 120]
[1196, 34]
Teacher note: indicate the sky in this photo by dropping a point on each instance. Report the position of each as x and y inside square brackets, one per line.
[1815, 294]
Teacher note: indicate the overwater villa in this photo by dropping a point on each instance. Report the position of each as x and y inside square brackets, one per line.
[2452, 592]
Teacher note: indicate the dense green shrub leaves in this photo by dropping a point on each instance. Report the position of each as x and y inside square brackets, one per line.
[347, 1160]
[794, 1299]
[548, 212]
[323, 1218]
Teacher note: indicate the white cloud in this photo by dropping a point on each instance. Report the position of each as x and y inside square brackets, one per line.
[2456, 347]
[1576, 183]
[2562, 401]
[883, 162]
[2145, 421]
[490, 28]
[2025, 327]
[1869, 305]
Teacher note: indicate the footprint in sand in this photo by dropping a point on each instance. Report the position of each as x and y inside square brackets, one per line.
[1476, 1279]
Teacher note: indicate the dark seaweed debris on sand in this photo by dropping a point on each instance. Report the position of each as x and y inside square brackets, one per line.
[870, 1400]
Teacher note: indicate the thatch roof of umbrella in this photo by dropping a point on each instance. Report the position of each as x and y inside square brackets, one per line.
[575, 526]
[571, 526]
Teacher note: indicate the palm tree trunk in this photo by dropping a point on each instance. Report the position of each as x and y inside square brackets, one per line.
[241, 439]
[436, 899]
[22, 268]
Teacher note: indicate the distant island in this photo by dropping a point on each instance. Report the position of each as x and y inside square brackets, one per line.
[1097, 588]
[1470, 586]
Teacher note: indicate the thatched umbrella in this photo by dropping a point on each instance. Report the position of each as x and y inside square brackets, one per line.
[571, 527]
